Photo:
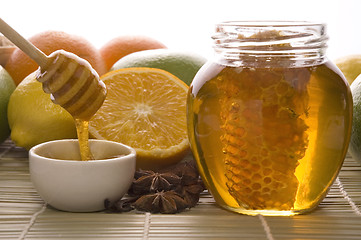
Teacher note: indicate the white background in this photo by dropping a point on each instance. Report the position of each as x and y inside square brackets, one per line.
[180, 24]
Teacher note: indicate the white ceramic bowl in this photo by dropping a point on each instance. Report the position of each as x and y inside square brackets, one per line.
[81, 186]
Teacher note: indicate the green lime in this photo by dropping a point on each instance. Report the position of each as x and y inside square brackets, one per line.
[7, 86]
[355, 142]
[183, 65]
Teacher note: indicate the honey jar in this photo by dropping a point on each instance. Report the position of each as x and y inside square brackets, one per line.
[269, 118]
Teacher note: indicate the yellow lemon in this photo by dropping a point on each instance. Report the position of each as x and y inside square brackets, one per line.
[34, 118]
[350, 66]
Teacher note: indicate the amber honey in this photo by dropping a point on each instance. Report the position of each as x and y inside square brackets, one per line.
[269, 139]
[83, 138]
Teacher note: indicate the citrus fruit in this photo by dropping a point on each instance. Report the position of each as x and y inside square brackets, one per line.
[6, 49]
[350, 66]
[145, 108]
[184, 65]
[121, 46]
[7, 86]
[355, 142]
[20, 65]
[34, 118]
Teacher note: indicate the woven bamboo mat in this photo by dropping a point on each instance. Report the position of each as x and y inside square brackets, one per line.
[23, 215]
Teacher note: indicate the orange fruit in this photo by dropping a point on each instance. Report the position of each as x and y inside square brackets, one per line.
[20, 65]
[145, 108]
[121, 46]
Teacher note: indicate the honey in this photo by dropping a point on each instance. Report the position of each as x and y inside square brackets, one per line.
[269, 137]
[83, 138]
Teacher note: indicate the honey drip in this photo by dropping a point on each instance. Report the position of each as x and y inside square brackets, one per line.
[76, 87]
[264, 134]
[83, 138]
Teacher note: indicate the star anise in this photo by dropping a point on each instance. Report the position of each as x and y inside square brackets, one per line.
[150, 182]
[161, 202]
[191, 194]
[187, 170]
[170, 190]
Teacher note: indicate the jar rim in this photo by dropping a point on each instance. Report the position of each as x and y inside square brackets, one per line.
[260, 42]
[271, 23]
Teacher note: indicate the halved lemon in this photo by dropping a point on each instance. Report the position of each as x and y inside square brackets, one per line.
[145, 108]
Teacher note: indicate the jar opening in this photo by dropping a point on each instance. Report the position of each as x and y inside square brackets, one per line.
[273, 42]
[262, 23]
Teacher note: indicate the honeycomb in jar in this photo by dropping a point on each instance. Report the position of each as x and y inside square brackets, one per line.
[264, 135]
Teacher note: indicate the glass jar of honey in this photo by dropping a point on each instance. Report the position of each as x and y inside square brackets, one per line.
[269, 118]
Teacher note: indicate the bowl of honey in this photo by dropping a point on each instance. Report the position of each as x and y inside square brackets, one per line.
[67, 183]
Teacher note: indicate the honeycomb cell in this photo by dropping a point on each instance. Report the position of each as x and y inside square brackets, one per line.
[246, 173]
[236, 179]
[236, 170]
[248, 190]
[267, 180]
[266, 198]
[264, 152]
[256, 177]
[256, 186]
[244, 163]
[266, 163]
[267, 171]
[246, 181]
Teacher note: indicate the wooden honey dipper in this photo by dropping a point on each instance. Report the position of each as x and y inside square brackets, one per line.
[71, 81]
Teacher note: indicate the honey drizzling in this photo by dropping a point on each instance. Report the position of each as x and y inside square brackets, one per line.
[83, 138]
[75, 86]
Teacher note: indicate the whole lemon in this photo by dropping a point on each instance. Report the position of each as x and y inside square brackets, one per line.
[183, 65]
[34, 118]
[7, 86]
[350, 66]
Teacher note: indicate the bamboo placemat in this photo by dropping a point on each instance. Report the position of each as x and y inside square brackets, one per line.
[23, 215]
